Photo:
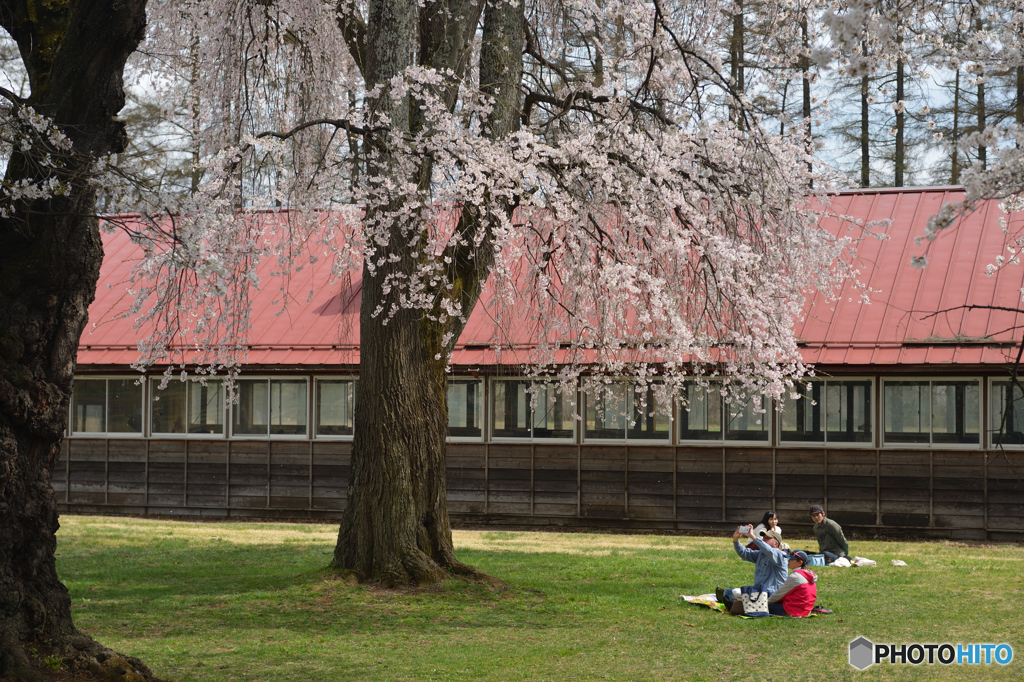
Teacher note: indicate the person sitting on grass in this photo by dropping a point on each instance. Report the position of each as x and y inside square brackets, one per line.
[831, 541]
[795, 597]
[770, 566]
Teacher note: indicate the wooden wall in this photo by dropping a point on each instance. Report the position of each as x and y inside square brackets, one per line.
[930, 493]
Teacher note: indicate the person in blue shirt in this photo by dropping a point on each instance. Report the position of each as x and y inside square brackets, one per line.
[771, 565]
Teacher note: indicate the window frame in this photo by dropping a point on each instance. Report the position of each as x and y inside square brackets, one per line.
[481, 409]
[767, 403]
[825, 442]
[314, 406]
[931, 444]
[274, 436]
[144, 430]
[630, 384]
[492, 403]
[151, 394]
[990, 431]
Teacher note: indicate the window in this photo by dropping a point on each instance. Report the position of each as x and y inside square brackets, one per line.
[541, 412]
[708, 416]
[274, 407]
[335, 407]
[624, 411]
[465, 403]
[1008, 401]
[932, 412]
[106, 406]
[187, 407]
[845, 406]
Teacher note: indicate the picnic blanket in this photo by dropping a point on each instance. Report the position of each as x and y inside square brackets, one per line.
[708, 600]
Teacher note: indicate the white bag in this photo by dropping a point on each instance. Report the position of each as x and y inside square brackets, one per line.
[755, 603]
[862, 562]
[898, 562]
[841, 562]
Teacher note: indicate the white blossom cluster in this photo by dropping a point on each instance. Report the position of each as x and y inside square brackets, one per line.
[29, 138]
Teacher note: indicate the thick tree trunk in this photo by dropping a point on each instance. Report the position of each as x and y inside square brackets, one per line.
[395, 528]
[46, 285]
[51, 257]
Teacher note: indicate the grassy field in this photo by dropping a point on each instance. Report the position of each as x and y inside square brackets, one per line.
[241, 601]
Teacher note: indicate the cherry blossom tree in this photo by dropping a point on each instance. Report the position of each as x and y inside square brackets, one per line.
[590, 162]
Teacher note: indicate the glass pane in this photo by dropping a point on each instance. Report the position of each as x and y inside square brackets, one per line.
[464, 408]
[89, 406]
[511, 410]
[651, 417]
[748, 421]
[1007, 414]
[701, 416]
[124, 401]
[287, 407]
[168, 412]
[955, 412]
[252, 411]
[848, 411]
[907, 411]
[206, 407]
[606, 412]
[552, 416]
[801, 417]
[335, 408]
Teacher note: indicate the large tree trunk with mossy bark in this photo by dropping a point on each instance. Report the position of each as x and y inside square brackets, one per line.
[50, 256]
[395, 528]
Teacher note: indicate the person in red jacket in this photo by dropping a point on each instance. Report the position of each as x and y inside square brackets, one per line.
[795, 597]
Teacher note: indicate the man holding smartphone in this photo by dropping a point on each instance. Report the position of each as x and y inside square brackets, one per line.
[771, 566]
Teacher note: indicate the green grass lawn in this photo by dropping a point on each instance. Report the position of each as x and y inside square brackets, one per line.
[253, 601]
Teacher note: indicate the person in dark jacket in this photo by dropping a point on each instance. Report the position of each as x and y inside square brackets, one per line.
[831, 541]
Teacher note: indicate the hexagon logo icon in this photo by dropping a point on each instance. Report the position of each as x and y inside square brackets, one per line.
[862, 653]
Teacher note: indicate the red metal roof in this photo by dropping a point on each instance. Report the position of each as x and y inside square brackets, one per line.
[897, 327]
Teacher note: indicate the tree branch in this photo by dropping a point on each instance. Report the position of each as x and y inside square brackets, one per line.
[336, 122]
[1006, 309]
[7, 94]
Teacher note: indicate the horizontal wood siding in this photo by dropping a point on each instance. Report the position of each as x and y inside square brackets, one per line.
[603, 481]
[905, 481]
[465, 479]
[1006, 491]
[949, 493]
[331, 462]
[554, 480]
[852, 487]
[799, 483]
[650, 482]
[509, 469]
[748, 483]
[699, 484]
